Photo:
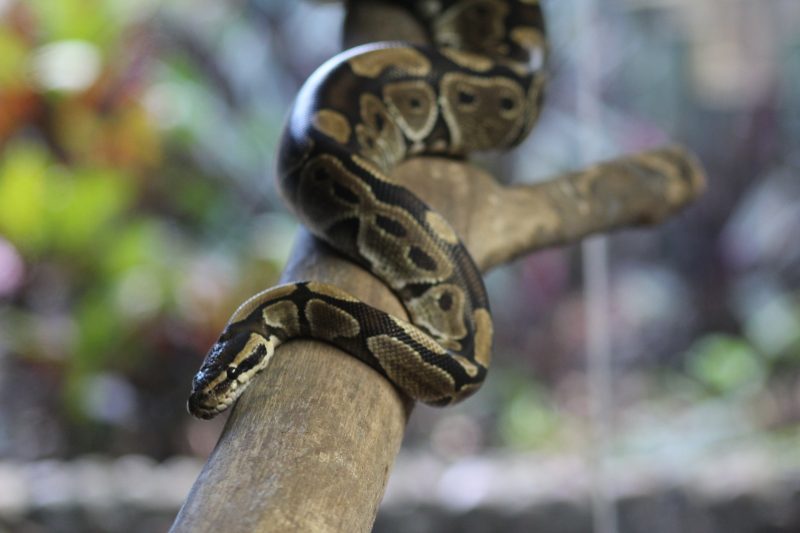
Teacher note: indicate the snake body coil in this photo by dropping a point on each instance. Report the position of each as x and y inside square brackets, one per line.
[358, 116]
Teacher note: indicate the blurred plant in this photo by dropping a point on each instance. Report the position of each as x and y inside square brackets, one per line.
[725, 364]
[529, 419]
[114, 276]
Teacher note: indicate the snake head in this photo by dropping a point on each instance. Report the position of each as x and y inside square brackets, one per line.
[235, 358]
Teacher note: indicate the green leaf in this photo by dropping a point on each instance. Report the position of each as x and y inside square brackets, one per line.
[83, 207]
[87, 20]
[725, 363]
[138, 243]
[13, 58]
[23, 196]
[528, 420]
[100, 332]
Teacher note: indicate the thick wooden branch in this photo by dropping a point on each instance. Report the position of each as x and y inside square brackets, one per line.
[310, 445]
[501, 223]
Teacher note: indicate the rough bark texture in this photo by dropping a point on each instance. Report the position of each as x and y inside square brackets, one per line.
[500, 223]
[310, 445]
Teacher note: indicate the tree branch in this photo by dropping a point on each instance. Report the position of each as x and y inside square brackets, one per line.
[500, 223]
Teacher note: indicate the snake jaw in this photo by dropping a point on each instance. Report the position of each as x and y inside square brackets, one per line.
[230, 365]
[200, 407]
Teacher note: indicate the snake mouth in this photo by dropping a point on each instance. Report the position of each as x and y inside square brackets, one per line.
[231, 365]
[207, 403]
[205, 406]
[198, 409]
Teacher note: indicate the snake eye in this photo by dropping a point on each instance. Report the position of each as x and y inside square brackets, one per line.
[232, 372]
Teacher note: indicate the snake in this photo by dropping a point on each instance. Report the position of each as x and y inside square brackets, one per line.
[476, 85]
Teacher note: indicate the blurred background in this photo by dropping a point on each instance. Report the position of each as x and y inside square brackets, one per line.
[137, 211]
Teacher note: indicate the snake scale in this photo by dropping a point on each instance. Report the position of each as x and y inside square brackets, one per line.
[478, 86]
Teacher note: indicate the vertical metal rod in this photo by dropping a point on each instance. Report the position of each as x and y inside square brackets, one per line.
[600, 380]
[595, 273]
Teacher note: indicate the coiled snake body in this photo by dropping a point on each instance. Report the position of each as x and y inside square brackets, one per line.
[358, 116]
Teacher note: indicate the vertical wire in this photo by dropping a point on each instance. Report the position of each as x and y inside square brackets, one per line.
[594, 253]
[600, 380]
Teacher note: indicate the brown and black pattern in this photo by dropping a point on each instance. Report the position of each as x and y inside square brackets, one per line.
[477, 87]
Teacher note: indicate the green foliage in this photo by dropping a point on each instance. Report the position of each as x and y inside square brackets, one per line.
[101, 333]
[109, 199]
[88, 202]
[53, 209]
[23, 196]
[725, 364]
[529, 419]
[140, 241]
[13, 58]
[86, 20]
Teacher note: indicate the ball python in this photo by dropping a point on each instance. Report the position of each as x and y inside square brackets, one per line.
[478, 86]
